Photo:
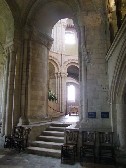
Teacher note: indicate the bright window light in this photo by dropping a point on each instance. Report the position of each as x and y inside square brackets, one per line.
[70, 37]
[71, 93]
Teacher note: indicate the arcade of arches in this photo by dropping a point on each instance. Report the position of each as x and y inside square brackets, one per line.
[35, 58]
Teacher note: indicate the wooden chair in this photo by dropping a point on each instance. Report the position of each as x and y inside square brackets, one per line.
[88, 145]
[106, 146]
[69, 149]
[18, 139]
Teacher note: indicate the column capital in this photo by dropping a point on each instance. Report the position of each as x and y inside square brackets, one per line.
[64, 75]
[35, 35]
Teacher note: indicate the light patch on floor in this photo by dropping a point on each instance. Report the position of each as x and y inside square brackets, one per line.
[8, 166]
[92, 165]
[1, 156]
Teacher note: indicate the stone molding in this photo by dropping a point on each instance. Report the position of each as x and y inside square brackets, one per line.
[33, 6]
[55, 62]
[70, 62]
[120, 35]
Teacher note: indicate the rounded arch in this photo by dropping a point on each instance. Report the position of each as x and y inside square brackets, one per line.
[71, 80]
[34, 4]
[49, 12]
[51, 70]
[6, 23]
[16, 14]
[119, 77]
[70, 63]
[55, 62]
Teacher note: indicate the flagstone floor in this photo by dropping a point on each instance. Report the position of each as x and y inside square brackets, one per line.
[13, 159]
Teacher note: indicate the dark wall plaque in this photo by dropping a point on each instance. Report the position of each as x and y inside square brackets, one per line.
[104, 114]
[91, 114]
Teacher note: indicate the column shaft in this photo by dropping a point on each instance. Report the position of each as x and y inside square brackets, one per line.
[5, 94]
[17, 88]
[10, 91]
[83, 76]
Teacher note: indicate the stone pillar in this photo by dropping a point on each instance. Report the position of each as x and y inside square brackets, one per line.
[11, 76]
[5, 94]
[56, 77]
[24, 84]
[63, 87]
[38, 76]
[60, 91]
[17, 85]
[83, 76]
[58, 86]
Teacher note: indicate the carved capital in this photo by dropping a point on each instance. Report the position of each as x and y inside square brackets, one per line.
[64, 75]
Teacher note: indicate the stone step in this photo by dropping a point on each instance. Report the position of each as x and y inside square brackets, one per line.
[49, 145]
[53, 133]
[60, 129]
[51, 139]
[60, 125]
[44, 152]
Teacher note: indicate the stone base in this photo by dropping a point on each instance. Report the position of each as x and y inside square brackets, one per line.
[93, 125]
[23, 121]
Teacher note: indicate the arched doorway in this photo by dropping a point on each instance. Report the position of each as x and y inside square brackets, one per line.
[41, 19]
[64, 51]
[73, 82]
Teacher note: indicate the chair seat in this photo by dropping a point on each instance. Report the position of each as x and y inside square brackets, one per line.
[69, 145]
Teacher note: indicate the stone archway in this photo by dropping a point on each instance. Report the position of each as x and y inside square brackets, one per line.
[73, 79]
[117, 97]
[41, 19]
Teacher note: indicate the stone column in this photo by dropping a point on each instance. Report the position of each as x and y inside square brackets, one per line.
[38, 76]
[60, 91]
[17, 85]
[56, 77]
[63, 87]
[11, 76]
[5, 94]
[24, 80]
[83, 75]
[58, 87]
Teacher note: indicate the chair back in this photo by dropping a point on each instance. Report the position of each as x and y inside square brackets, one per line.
[106, 138]
[18, 132]
[88, 138]
[72, 136]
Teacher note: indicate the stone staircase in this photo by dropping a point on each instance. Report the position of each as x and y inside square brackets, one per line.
[49, 143]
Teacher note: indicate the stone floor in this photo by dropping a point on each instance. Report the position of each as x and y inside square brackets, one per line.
[13, 159]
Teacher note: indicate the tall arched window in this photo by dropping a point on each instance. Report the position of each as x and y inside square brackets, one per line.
[71, 93]
[70, 37]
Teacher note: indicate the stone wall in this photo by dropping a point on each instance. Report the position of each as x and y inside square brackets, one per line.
[94, 34]
[53, 109]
